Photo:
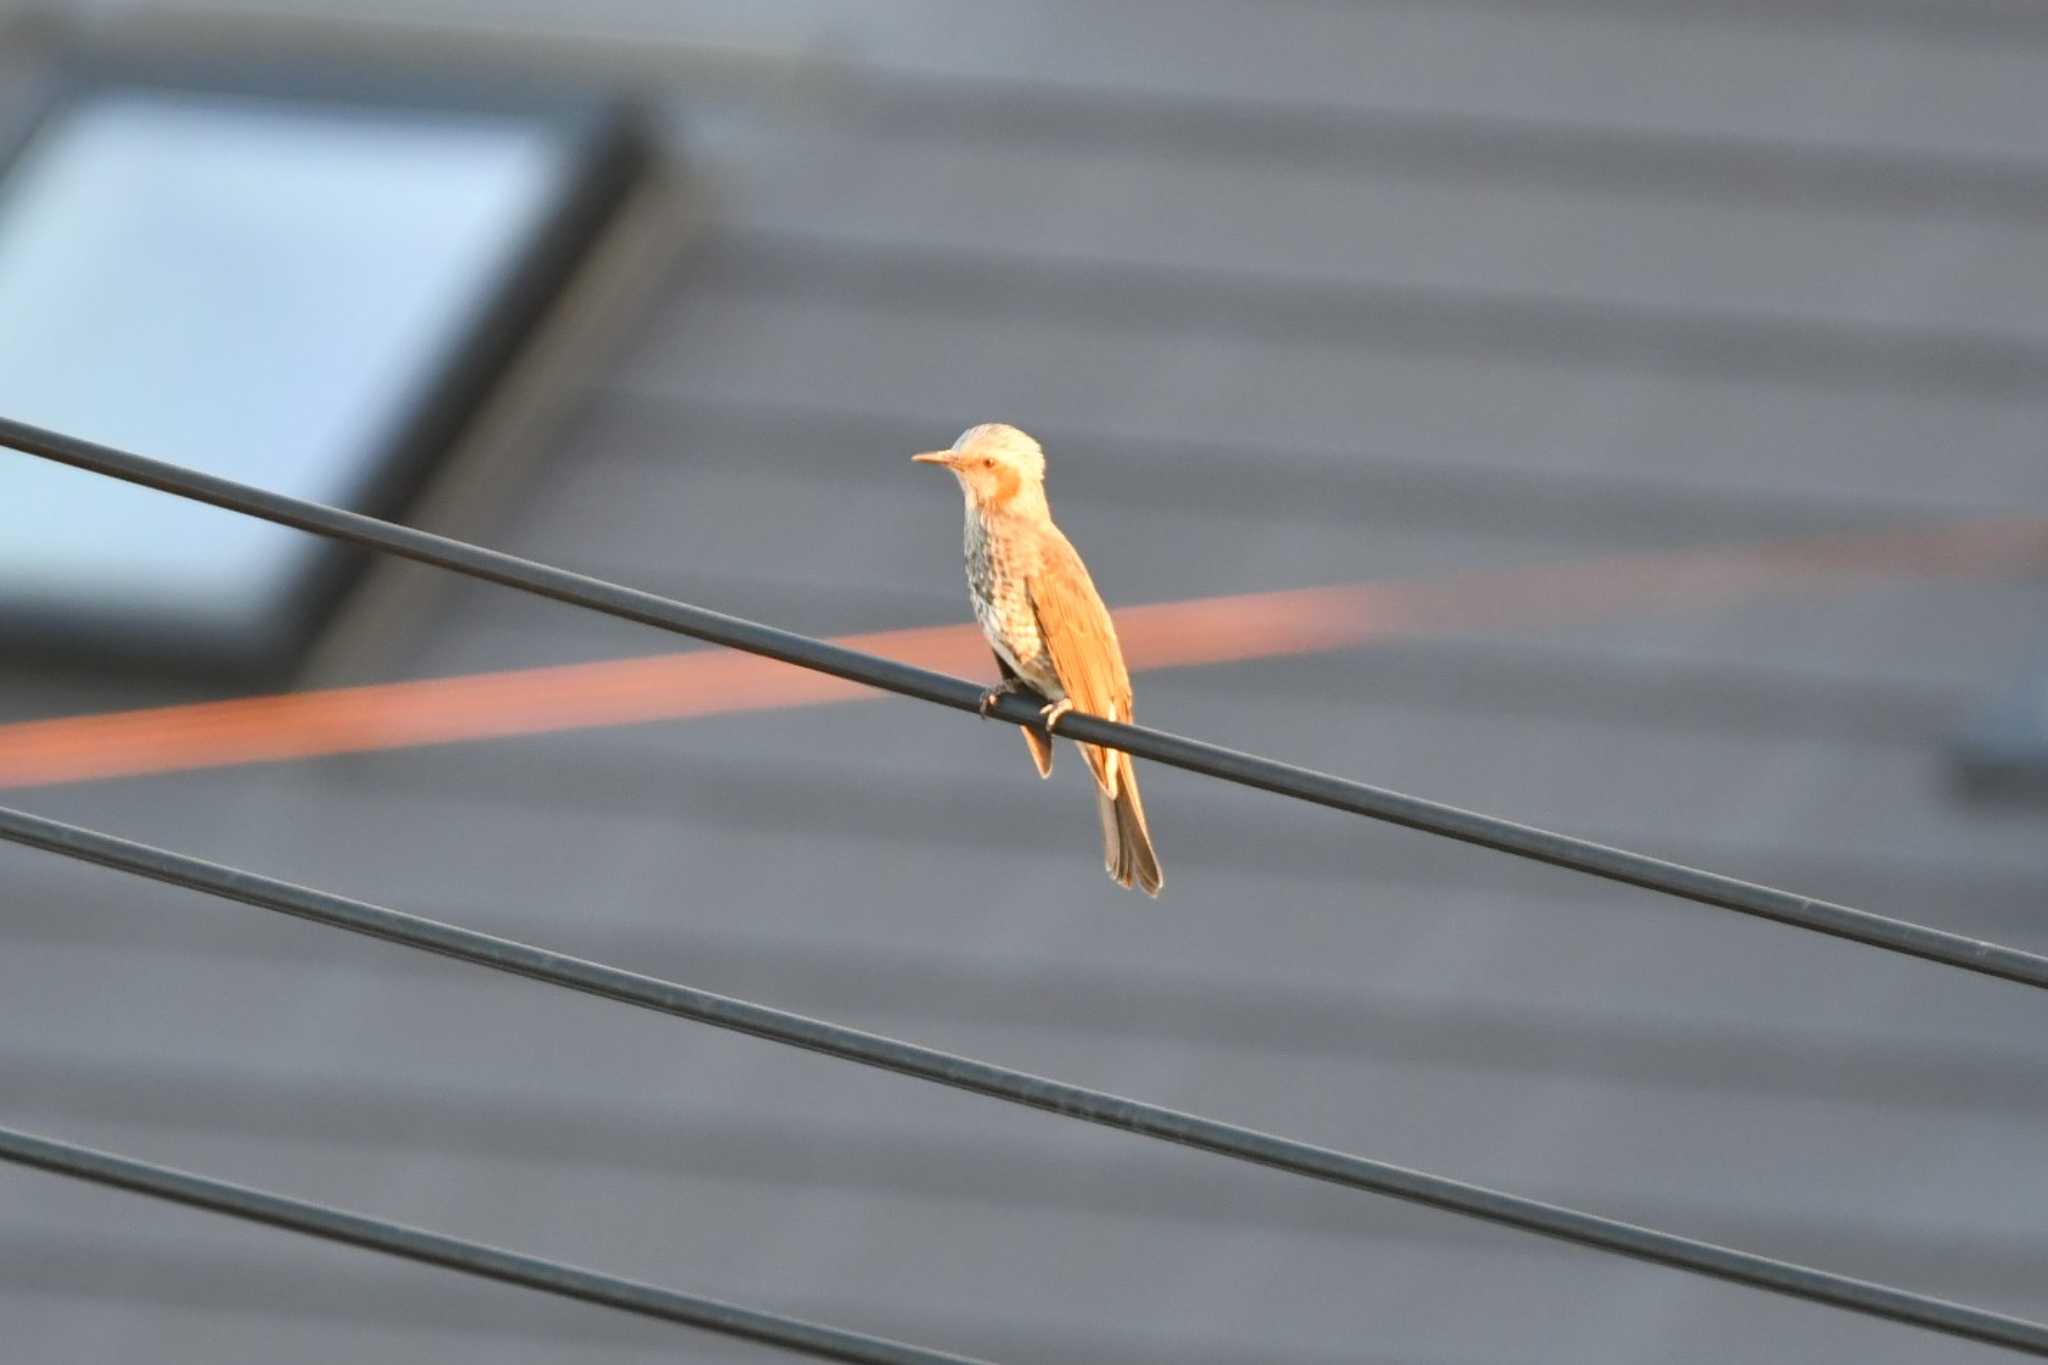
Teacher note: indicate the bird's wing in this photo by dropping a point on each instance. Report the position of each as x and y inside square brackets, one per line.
[1081, 639]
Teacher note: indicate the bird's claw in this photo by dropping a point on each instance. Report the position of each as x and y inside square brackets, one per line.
[1054, 711]
[993, 696]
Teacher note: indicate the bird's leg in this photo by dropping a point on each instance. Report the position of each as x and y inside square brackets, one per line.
[1053, 712]
[1013, 684]
[1008, 687]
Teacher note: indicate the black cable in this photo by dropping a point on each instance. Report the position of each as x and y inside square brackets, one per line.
[451, 1253]
[983, 1078]
[1580, 855]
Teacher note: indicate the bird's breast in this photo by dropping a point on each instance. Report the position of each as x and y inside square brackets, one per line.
[998, 581]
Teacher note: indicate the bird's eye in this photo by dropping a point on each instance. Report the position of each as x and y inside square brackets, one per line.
[987, 463]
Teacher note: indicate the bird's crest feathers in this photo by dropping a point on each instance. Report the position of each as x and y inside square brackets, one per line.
[1007, 445]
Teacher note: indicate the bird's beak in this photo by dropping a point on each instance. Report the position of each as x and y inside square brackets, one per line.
[944, 457]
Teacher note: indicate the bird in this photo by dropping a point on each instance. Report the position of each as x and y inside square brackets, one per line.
[1047, 626]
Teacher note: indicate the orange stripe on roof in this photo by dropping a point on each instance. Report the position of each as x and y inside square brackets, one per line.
[703, 682]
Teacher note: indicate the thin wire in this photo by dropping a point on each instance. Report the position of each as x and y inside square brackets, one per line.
[1579, 855]
[451, 1253]
[1017, 1087]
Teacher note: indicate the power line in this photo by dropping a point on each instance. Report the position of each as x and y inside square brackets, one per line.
[1017, 1087]
[1358, 798]
[451, 1253]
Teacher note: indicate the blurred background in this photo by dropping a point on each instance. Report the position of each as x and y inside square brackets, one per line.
[1664, 382]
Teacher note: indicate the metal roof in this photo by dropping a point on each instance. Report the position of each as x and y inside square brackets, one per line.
[1295, 294]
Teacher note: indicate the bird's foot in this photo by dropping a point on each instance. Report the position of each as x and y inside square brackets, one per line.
[989, 699]
[1053, 712]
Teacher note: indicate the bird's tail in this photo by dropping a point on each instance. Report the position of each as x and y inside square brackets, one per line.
[1127, 850]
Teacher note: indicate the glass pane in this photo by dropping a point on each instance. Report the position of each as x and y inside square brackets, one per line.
[259, 288]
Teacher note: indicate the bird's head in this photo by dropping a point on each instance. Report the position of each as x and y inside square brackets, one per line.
[999, 467]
